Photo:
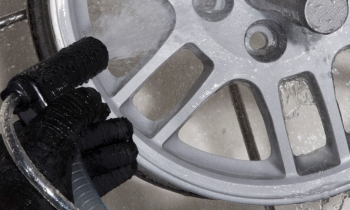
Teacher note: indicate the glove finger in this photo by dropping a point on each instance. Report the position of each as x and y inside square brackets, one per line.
[106, 159]
[108, 181]
[52, 135]
[105, 133]
[66, 116]
[104, 113]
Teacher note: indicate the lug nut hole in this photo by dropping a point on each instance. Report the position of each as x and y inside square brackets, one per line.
[258, 41]
[265, 41]
[213, 10]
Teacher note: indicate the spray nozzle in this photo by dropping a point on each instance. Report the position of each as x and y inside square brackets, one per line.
[51, 78]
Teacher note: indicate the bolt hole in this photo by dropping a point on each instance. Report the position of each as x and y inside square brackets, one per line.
[208, 5]
[265, 41]
[213, 10]
[258, 41]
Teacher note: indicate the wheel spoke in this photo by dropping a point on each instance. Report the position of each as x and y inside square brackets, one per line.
[109, 82]
[338, 40]
[275, 125]
[334, 128]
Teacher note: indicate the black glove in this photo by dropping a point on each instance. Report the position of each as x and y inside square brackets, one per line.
[109, 153]
[51, 140]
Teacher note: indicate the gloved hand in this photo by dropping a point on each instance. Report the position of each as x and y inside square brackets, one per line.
[76, 119]
[109, 153]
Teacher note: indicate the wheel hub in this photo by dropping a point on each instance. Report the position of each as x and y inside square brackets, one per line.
[219, 35]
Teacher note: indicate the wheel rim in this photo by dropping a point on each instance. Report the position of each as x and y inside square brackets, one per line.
[282, 178]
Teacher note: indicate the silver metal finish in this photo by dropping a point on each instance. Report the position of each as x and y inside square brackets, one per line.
[213, 10]
[282, 178]
[12, 18]
[245, 126]
[320, 16]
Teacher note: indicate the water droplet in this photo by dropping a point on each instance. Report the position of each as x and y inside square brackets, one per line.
[335, 71]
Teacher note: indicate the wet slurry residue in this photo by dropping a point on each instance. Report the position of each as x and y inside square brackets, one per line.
[51, 141]
[132, 30]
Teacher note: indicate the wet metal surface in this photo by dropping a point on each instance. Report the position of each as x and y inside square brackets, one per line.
[283, 178]
[16, 54]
